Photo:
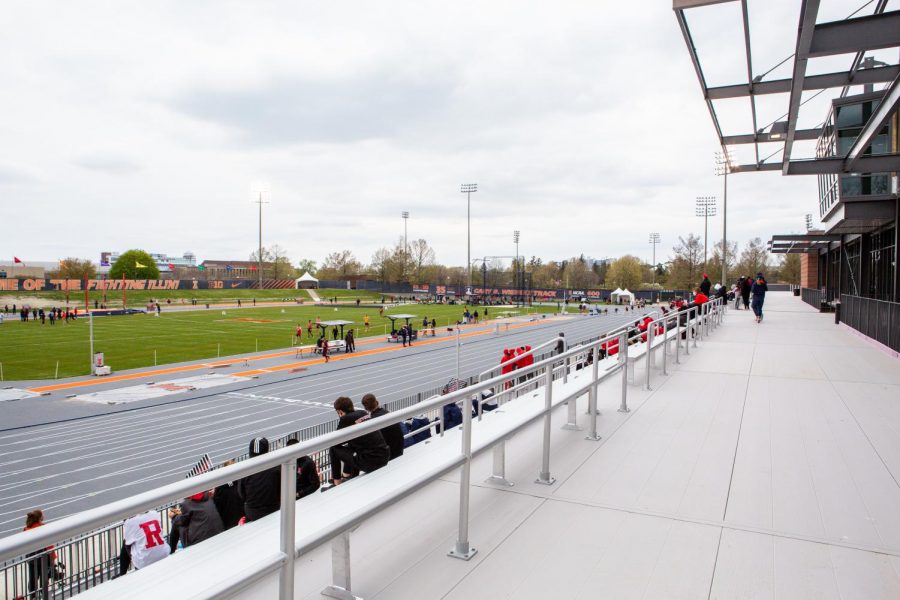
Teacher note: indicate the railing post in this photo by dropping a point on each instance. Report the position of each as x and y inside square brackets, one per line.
[623, 358]
[592, 397]
[340, 569]
[665, 324]
[649, 353]
[695, 328]
[544, 477]
[677, 339]
[462, 549]
[288, 546]
[498, 474]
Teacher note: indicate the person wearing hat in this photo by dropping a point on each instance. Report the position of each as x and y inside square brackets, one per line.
[261, 491]
[196, 520]
[758, 289]
[705, 285]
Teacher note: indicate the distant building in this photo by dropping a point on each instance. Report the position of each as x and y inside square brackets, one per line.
[30, 268]
[230, 269]
[166, 263]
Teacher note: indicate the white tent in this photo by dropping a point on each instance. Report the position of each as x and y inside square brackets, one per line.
[620, 296]
[306, 281]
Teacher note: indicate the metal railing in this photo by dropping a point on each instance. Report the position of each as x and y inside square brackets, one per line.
[877, 319]
[812, 296]
[15, 549]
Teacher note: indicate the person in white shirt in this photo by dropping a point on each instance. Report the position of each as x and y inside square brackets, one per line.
[143, 543]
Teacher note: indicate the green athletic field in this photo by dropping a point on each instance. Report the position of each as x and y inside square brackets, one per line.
[31, 350]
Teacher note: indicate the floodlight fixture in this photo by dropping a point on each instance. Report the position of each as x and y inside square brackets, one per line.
[468, 189]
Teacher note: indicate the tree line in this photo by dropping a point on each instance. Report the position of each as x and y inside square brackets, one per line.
[416, 263]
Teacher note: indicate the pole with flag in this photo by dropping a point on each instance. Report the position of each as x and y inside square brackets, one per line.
[18, 261]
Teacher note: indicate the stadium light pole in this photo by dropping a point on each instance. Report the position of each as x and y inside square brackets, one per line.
[724, 165]
[467, 189]
[654, 239]
[405, 215]
[809, 221]
[516, 234]
[258, 190]
[706, 208]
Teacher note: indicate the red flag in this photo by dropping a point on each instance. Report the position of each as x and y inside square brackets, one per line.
[171, 266]
[17, 260]
[252, 267]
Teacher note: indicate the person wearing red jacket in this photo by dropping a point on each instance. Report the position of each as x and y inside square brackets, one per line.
[700, 297]
[507, 364]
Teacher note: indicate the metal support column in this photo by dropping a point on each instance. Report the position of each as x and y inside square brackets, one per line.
[623, 359]
[649, 354]
[288, 522]
[498, 474]
[462, 549]
[340, 569]
[592, 400]
[544, 478]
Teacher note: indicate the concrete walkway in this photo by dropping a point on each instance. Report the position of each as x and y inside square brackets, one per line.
[766, 465]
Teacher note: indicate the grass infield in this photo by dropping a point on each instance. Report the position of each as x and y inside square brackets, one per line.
[33, 351]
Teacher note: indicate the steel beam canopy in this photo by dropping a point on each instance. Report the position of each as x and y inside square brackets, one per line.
[876, 122]
[871, 32]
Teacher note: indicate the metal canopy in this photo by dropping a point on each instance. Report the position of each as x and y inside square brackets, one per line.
[393, 317]
[800, 243]
[853, 35]
[336, 323]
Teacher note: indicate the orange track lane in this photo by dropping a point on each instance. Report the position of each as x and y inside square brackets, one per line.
[207, 365]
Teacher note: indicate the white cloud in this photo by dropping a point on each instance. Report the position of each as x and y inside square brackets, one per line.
[582, 123]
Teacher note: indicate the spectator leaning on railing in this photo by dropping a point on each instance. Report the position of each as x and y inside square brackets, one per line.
[228, 502]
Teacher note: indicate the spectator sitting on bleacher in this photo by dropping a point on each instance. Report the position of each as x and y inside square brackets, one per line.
[142, 543]
[197, 520]
[228, 502]
[700, 297]
[308, 480]
[261, 491]
[366, 453]
[453, 416]
[392, 434]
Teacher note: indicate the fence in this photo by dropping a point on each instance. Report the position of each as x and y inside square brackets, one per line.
[812, 296]
[877, 319]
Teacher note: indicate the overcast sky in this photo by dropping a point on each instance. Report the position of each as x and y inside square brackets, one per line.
[145, 124]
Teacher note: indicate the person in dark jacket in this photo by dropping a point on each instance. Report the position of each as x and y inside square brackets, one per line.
[261, 492]
[366, 453]
[705, 285]
[759, 289]
[228, 502]
[308, 480]
[199, 520]
[392, 434]
[746, 286]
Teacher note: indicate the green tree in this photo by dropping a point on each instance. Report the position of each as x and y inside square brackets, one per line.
[134, 264]
[789, 269]
[75, 268]
[754, 258]
[687, 263]
[625, 272]
[305, 265]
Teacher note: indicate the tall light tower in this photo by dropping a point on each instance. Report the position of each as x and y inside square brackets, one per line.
[706, 208]
[516, 273]
[468, 189]
[809, 221]
[654, 239]
[260, 189]
[405, 215]
[724, 165]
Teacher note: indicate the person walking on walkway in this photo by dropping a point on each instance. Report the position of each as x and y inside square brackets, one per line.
[759, 290]
[746, 285]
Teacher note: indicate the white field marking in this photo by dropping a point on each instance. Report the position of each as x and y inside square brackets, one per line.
[95, 422]
[170, 387]
[267, 398]
[163, 441]
[182, 468]
[15, 394]
[187, 460]
[104, 438]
